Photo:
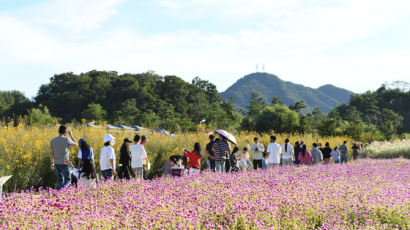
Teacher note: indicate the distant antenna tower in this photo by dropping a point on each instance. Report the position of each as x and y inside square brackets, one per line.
[257, 70]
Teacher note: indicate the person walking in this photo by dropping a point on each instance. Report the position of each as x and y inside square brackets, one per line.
[288, 153]
[274, 151]
[336, 155]
[355, 149]
[316, 155]
[85, 153]
[305, 157]
[210, 152]
[194, 164]
[344, 152]
[257, 153]
[326, 153]
[222, 150]
[59, 152]
[125, 160]
[107, 158]
[87, 174]
[297, 151]
[139, 155]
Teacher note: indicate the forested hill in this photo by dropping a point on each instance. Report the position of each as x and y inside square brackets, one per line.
[268, 86]
[145, 99]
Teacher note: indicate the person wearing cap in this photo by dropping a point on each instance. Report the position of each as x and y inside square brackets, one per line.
[107, 157]
[87, 175]
[85, 153]
[59, 152]
[139, 155]
[125, 160]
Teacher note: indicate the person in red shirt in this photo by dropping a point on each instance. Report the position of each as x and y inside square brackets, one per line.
[305, 157]
[194, 164]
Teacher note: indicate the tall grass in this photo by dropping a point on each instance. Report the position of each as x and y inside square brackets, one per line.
[388, 150]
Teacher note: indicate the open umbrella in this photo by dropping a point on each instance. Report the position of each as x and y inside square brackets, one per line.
[228, 136]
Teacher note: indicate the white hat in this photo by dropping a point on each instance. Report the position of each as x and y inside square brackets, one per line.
[108, 137]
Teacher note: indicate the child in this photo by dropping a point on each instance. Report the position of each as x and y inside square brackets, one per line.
[243, 158]
[107, 158]
[233, 161]
[265, 159]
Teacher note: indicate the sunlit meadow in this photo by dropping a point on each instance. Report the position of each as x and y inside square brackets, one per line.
[24, 151]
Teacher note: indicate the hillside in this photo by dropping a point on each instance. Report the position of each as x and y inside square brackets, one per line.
[268, 86]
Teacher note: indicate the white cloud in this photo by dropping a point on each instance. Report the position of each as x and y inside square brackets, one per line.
[291, 41]
[74, 16]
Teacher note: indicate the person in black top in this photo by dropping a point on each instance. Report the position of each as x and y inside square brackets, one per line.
[326, 153]
[233, 161]
[210, 152]
[125, 160]
[355, 151]
[297, 151]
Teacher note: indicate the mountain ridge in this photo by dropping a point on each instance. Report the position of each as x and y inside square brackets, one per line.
[326, 97]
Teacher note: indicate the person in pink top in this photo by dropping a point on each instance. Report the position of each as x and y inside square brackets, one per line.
[304, 156]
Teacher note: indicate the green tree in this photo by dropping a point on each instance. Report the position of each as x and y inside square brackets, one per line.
[127, 113]
[391, 121]
[278, 118]
[94, 112]
[277, 101]
[40, 116]
[256, 105]
[328, 127]
[298, 106]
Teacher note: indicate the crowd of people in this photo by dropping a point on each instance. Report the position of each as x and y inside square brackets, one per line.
[133, 157]
[220, 157]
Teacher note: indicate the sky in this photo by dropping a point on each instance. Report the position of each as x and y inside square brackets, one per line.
[354, 44]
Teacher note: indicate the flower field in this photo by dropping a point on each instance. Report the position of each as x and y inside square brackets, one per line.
[24, 151]
[366, 194]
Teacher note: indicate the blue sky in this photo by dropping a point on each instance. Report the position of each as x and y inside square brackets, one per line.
[353, 44]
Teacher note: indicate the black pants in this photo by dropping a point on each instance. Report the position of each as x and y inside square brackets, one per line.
[227, 165]
[212, 164]
[257, 164]
[124, 172]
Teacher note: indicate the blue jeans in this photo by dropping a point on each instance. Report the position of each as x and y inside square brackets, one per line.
[63, 175]
[220, 166]
[107, 174]
[343, 158]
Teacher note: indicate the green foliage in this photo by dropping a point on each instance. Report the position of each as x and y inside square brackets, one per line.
[298, 106]
[40, 116]
[13, 103]
[277, 101]
[145, 99]
[278, 118]
[94, 112]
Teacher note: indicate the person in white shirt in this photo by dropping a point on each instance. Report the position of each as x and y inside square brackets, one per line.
[139, 156]
[243, 158]
[107, 158]
[257, 153]
[288, 153]
[274, 151]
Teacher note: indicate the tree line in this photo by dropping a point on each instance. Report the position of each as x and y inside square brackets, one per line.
[155, 101]
[377, 115]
